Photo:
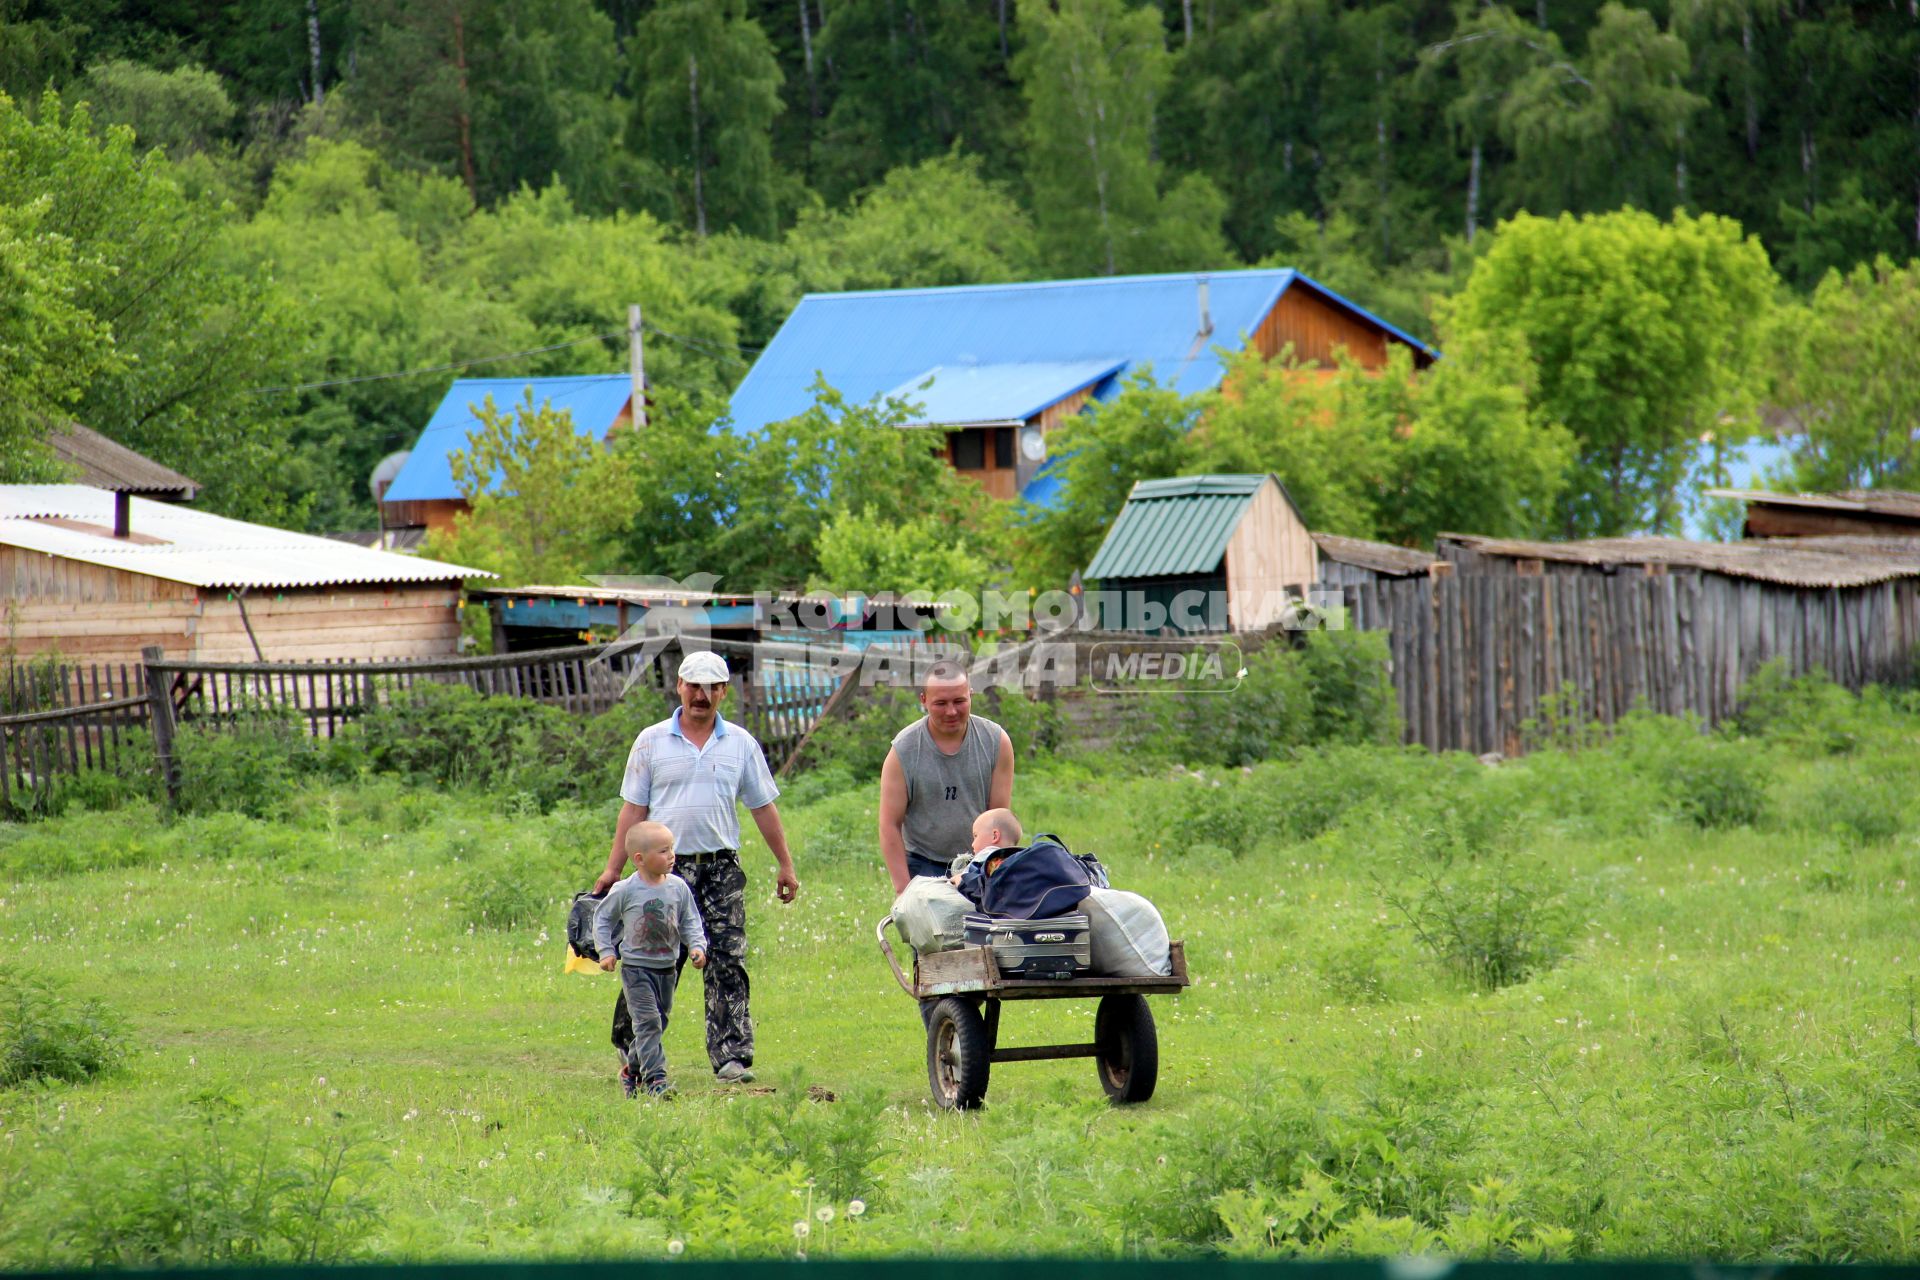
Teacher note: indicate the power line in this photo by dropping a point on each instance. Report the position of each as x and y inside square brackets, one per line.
[439, 368]
[725, 350]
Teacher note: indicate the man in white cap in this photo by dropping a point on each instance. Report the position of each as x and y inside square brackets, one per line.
[687, 773]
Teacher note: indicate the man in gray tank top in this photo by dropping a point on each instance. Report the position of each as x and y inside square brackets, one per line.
[943, 771]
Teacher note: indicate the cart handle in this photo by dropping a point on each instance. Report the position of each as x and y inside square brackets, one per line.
[886, 949]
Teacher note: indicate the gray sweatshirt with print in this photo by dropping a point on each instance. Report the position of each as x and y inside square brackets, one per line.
[650, 920]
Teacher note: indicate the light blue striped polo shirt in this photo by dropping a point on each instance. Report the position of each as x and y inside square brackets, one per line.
[692, 790]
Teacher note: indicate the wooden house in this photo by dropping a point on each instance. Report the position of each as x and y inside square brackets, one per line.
[997, 368]
[423, 496]
[1234, 545]
[75, 583]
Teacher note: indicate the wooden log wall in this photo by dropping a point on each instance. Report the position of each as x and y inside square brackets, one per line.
[1474, 656]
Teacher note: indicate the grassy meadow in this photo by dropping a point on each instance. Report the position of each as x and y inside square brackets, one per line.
[1646, 996]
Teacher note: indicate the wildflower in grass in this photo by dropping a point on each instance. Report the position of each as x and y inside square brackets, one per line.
[856, 1207]
[824, 1213]
[676, 1247]
[802, 1229]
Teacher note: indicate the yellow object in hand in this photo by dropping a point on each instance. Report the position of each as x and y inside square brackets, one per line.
[577, 963]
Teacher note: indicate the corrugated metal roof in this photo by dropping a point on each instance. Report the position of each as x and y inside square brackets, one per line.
[107, 464]
[1782, 561]
[866, 344]
[1381, 557]
[594, 400]
[1174, 527]
[196, 547]
[1878, 502]
[960, 395]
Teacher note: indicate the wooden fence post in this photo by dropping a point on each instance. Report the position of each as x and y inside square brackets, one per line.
[160, 711]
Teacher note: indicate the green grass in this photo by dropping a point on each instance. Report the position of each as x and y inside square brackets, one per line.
[1714, 1052]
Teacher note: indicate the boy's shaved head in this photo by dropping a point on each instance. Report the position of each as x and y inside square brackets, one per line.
[646, 836]
[997, 820]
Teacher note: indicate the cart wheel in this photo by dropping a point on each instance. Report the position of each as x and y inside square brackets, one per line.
[958, 1055]
[1127, 1048]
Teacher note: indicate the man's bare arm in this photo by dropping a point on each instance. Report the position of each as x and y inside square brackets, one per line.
[767, 818]
[1000, 790]
[893, 817]
[630, 813]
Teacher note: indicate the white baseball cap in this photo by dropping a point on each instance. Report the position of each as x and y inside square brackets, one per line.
[704, 667]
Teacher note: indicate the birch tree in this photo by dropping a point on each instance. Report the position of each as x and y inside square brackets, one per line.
[706, 90]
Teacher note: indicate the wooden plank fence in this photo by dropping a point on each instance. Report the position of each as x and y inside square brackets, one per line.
[66, 719]
[62, 719]
[1473, 657]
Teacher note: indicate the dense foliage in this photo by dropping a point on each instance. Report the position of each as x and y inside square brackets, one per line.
[221, 227]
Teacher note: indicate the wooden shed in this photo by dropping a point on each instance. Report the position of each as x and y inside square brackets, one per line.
[1237, 539]
[1870, 513]
[1355, 562]
[205, 587]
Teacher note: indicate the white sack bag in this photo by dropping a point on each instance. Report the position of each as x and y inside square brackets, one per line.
[932, 914]
[1129, 938]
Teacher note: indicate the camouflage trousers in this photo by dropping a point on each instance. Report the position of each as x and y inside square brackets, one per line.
[720, 892]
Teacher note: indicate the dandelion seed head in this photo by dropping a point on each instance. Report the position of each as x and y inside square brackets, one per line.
[856, 1207]
[802, 1229]
[676, 1247]
[824, 1213]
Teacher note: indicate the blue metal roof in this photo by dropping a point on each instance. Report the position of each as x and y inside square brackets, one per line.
[872, 343]
[595, 400]
[962, 395]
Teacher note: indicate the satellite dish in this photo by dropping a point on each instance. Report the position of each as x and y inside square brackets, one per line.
[1033, 444]
[385, 472]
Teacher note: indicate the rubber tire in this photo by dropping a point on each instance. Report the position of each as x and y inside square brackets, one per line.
[1128, 1048]
[959, 1055]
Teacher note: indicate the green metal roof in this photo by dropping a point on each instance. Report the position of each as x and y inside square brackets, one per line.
[1175, 526]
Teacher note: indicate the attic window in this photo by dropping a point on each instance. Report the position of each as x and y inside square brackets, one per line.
[102, 531]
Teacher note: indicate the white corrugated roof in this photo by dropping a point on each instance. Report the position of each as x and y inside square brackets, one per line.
[196, 547]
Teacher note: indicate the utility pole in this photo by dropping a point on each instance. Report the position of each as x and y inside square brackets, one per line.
[639, 366]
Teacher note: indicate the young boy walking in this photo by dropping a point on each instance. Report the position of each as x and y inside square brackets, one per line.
[652, 913]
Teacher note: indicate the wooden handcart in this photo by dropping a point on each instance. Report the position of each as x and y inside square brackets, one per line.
[964, 990]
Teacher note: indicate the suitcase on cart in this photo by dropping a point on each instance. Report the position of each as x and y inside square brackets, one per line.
[1057, 947]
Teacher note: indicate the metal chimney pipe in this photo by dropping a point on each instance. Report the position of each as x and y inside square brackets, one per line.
[1206, 310]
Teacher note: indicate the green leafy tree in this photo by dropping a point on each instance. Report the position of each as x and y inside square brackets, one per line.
[910, 82]
[1252, 84]
[49, 347]
[499, 94]
[194, 338]
[1610, 129]
[1475, 456]
[864, 553]
[182, 111]
[1642, 337]
[1851, 371]
[752, 508]
[706, 90]
[398, 273]
[1093, 72]
[937, 223]
[1098, 455]
[546, 501]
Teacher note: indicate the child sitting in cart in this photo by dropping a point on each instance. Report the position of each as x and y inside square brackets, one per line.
[653, 913]
[996, 833]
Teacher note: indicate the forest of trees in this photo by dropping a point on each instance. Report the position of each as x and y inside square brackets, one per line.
[217, 219]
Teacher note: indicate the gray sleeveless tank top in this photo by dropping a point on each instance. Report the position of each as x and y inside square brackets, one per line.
[945, 793]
